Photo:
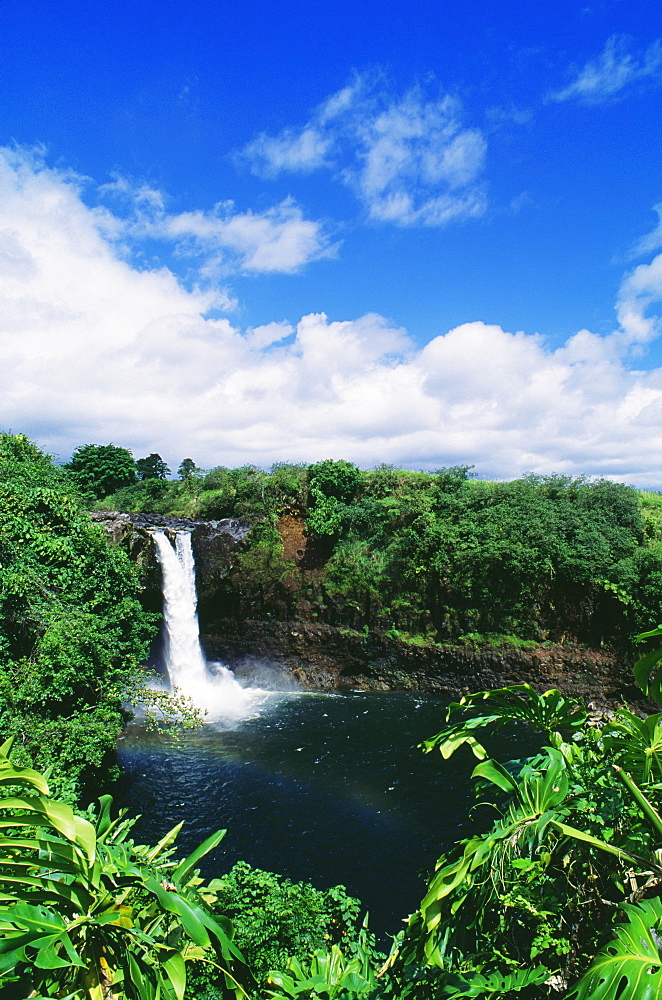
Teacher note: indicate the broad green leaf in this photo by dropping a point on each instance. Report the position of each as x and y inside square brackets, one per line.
[48, 957]
[601, 845]
[190, 916]
[492, 771]
[12, 775]
[648, 680]
[165, 842]
[183, 869]
[175, 969]
[29, 917]
[629, 968]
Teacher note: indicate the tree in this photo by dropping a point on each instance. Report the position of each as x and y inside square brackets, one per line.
[337, 479]
[102, 468]
[152, 467]
[331, 488]
[72, 631]
[187, 468]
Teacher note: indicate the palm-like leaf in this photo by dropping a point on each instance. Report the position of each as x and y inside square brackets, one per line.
[630, 967]
[88, 914]
[648, 669]
[636, 743]
[550, 712]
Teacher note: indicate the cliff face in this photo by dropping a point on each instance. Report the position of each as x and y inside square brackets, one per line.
[322, 657]
[215, 547]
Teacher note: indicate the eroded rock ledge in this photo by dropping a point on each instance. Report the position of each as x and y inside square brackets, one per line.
[324, 658]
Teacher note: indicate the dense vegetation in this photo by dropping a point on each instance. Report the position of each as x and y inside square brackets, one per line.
[441, 557]
[72, 631]
[559, 897]
[557, 893]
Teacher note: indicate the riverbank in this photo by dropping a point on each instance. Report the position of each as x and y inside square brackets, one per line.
[325, 658]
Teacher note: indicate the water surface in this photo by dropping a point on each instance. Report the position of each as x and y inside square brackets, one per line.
[329, 789]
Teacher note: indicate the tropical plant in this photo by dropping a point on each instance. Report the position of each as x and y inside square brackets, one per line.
[550, 713]
[275, 919]
[636, 743]
[648, 669]
[630, 966]
[328, 973]
[576, 840]
[86, 914]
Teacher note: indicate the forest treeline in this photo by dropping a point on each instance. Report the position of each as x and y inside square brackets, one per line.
[429, 557]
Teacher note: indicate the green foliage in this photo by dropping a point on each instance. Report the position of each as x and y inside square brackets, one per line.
[72, 631]
[648, 669]
[152, 467]
[575, 841]
[101, 469]
[334, 479]
[86, 913]
[549, 713]
[187, 468]
[276, 919]
[328, 974]
[629, 967]
[332, 485]
[441, 556]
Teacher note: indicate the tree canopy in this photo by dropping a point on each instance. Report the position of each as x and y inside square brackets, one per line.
[102, 468]
[72, 631]
[152, 467]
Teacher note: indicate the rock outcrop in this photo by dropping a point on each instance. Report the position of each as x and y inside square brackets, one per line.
[215, 544]
[321, 657]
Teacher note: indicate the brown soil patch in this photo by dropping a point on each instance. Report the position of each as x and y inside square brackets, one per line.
[292, 529]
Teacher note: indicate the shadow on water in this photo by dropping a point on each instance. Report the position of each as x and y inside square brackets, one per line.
[329, 789]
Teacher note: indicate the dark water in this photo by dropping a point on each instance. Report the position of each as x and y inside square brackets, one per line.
[324, 788]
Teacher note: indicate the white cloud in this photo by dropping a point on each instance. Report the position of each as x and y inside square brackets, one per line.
[653, 240]
[279, 239]
[298, 152]
[411, 160]
[223, 239]
[95, 350]
[613, 70]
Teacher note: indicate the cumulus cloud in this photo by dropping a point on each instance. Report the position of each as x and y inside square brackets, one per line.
[222, 239]
[411, 160]
[97, 350]
[613, 70]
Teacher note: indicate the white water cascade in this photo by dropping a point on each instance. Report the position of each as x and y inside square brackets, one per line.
[212, 687]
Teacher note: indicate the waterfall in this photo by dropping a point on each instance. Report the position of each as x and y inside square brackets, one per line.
[212, 687]
[185, 661]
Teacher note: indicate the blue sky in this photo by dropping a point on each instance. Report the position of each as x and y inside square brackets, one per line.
[414, 233]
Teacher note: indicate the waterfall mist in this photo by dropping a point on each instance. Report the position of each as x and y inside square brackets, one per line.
[211, 687]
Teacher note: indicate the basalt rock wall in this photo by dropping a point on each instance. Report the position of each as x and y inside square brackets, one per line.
[215, 547]
[322, 657]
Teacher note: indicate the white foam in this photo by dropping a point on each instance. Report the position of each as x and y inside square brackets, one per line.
[211, 687]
